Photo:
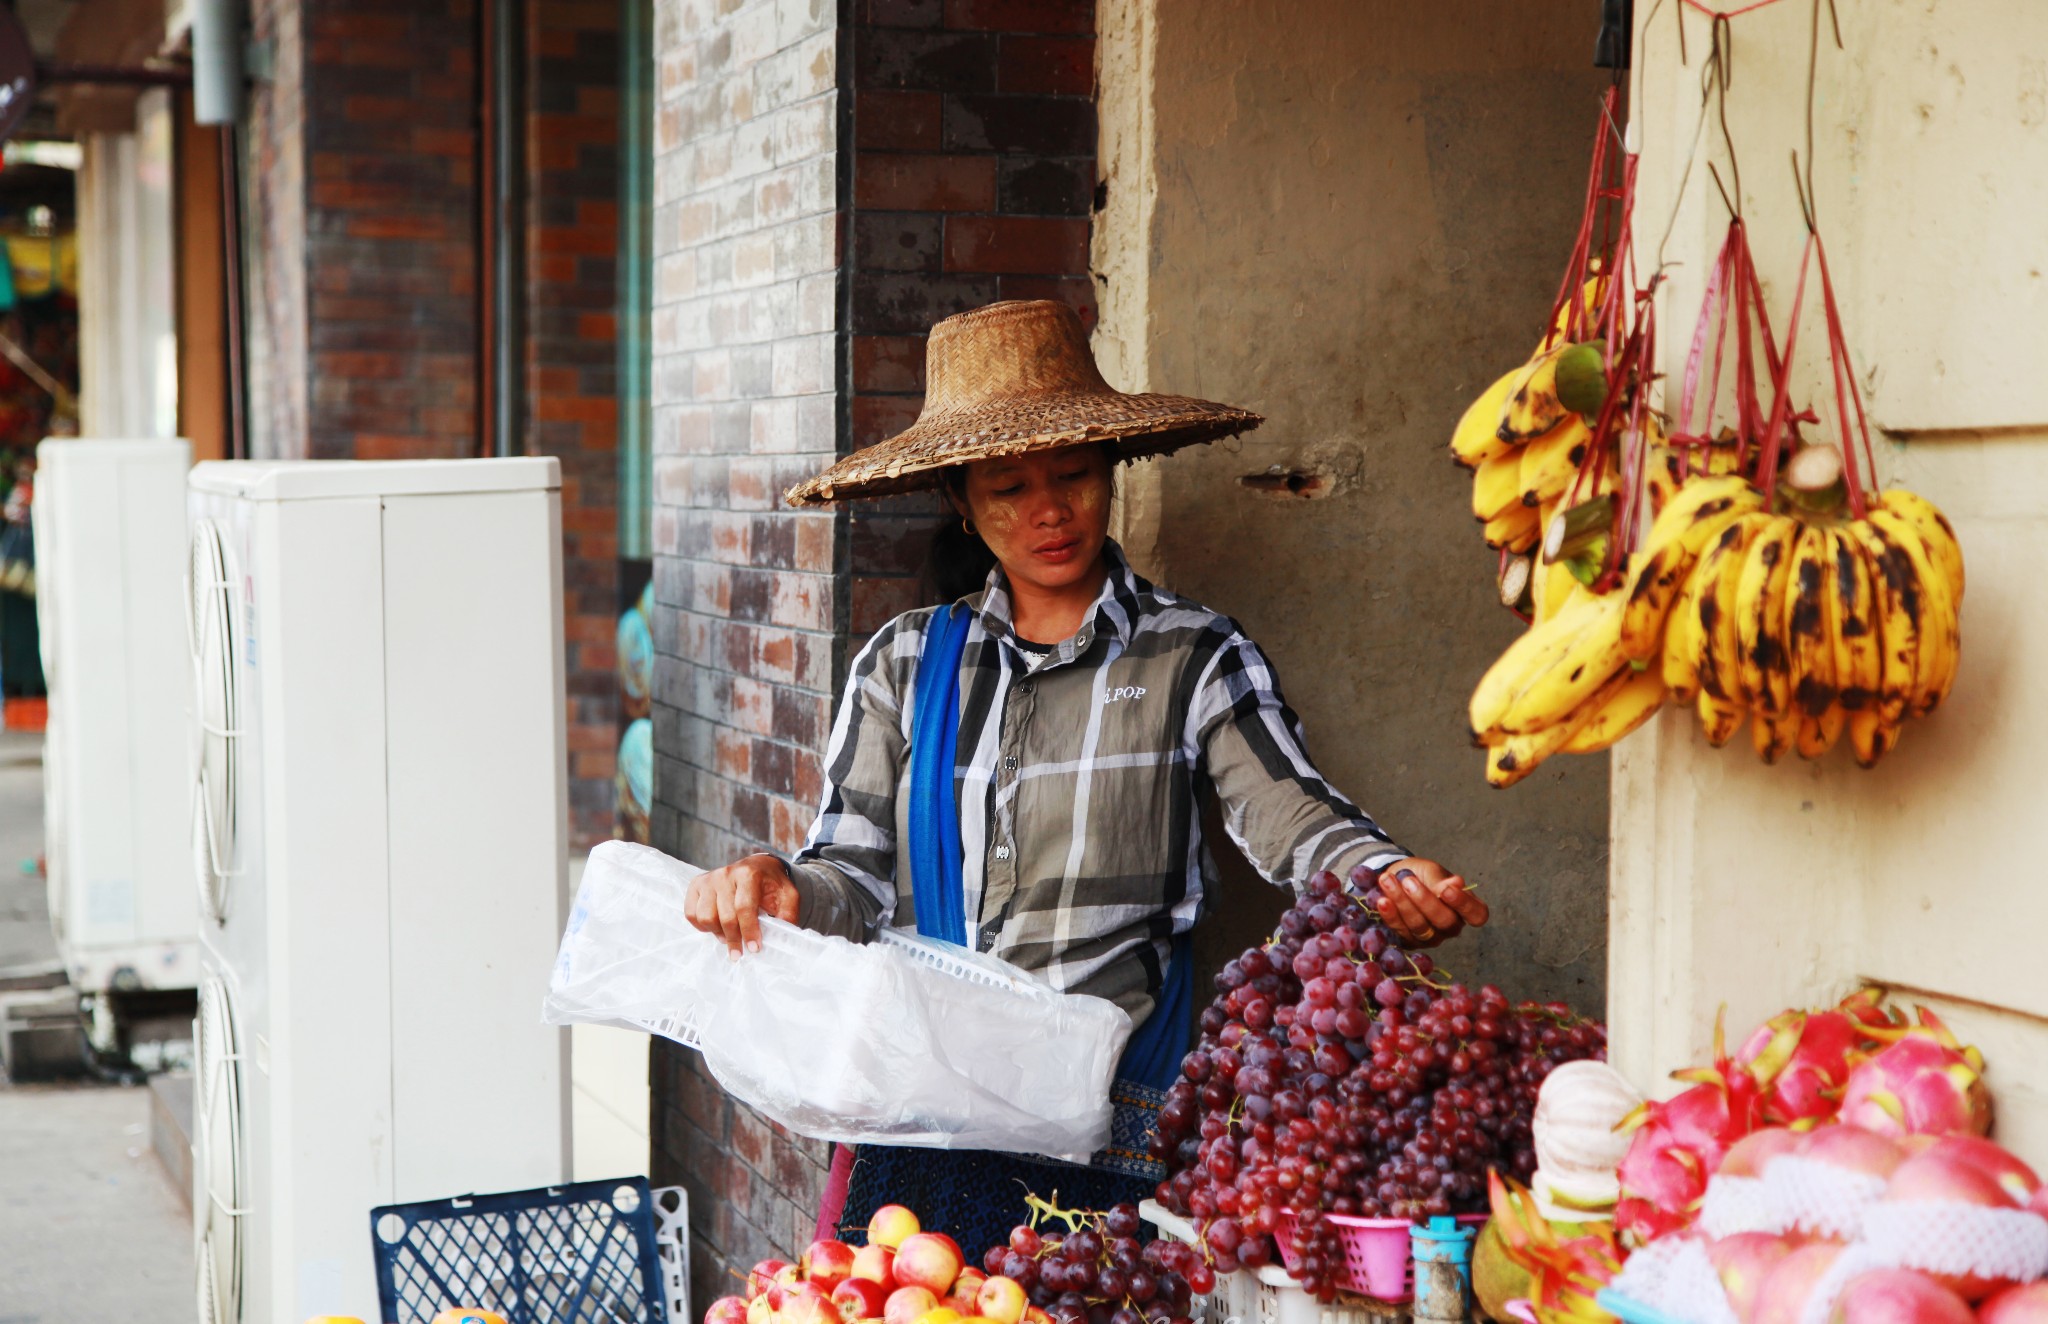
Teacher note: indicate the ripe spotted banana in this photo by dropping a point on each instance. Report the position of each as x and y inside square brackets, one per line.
[1934, 530]
[1718, 660]
[1760, 618]
[1477, 436]
[1496, 487]
[1896, 587]
[1719, 718]
[1809, 636]
[1683, 637]
[1533, 407]
[1677, 519]
[1574, 675]
[1514, 757]
[1622, 712]
[1870, 736]
[1859, 654]
[1773, 736]
[1651, 591]
[1551, 462]
[1523, 660]
[1516, 529]
[1934, 666]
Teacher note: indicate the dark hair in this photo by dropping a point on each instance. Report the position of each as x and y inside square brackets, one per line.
[958, 562]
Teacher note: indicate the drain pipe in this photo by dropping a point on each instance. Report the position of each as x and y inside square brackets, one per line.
[502, 229]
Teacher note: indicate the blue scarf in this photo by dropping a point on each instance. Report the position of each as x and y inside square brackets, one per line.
[937, 886]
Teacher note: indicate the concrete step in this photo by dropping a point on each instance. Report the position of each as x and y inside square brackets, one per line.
[41, 1036]
[170, 1129]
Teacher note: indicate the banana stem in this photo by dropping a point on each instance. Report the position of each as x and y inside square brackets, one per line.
[1575, 530]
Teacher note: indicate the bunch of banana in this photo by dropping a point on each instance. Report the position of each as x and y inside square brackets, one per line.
[1526, 436]
[1585, 676]
[1815, 624]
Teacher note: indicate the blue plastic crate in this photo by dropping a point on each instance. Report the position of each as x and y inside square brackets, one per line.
[582, 1253]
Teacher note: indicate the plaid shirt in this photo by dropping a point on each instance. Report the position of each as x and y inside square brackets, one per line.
[1077, 781]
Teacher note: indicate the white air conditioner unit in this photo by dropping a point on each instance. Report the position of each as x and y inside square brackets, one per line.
[379, 830]
[110, 537]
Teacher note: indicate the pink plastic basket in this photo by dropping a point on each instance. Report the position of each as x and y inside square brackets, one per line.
[1378, 1261]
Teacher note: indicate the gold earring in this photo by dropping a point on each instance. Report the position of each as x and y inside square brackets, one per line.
[968, 525]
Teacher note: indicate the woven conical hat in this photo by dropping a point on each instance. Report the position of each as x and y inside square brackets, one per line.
[1009, 379]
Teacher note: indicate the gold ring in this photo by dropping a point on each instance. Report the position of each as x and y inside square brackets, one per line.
[1428, 932]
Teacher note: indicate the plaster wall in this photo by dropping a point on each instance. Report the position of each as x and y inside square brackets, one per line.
[1352, 216]
[1761, 887]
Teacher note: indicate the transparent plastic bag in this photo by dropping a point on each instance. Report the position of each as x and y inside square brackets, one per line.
[899, 1041]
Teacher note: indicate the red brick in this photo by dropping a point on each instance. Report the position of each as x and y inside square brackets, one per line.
[1035, 245]
[1074, 16]
[879, 417]
[1056, 66]
[1077, 292]
[925, 183]
[898, 121]
[598, 326]
[392, 226]
[888, 363]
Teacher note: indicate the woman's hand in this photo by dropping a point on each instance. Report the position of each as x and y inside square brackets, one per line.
[1425, 903]
[729, 902]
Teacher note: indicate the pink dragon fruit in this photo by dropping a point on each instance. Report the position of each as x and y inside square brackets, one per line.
[1923, 1083]
[1802, 1059]
[1680, 1142]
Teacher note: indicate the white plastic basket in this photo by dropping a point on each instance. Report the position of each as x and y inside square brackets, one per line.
[1266, 1295]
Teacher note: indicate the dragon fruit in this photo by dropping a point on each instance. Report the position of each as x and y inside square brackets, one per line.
[1802, 1059]
[1679, 1143]
[1923, 1083]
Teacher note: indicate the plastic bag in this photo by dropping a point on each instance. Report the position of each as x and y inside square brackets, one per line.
[899, 1041]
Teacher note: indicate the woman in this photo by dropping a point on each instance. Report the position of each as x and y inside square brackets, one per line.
[1086, 710]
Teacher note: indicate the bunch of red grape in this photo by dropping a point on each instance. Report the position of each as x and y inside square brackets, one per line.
[1338, 1073]
[1099, 1272]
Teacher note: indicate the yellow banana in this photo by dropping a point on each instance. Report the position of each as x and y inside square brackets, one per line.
[1533, 407]
[1623, 711]
[1934, 665]
[1590, 295]
[1809, 632]
[1772, 736]
[1523, 660]
[1574, 675]
[1720, 644]
[1760, 618]
[1514, 757]
[1654, 585]
[1496, 486]
[1699, 496]
[1518, 528]
[1896, 589]
[1870, 736]
[1859, 664]
[1555, 586]
[1679, 665]
[1934, 530]
[1477, 436]
[1551, 461]
[1719, 718]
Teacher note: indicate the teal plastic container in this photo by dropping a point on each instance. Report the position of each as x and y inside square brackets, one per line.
[1443, 1269]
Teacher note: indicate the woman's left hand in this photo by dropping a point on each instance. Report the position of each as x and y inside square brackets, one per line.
[1426, 903]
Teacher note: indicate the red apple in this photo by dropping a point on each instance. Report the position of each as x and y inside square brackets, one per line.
[808, 1303]
[1002, 1300]
[2025, 1304]
[1898, 1296]
[761, 1310]
[891, 1225]
[968, 1284]
[1782, 1297]
[1034, 1315]
[859, 1298]
[929, 1260]
[727, 1310]
[789, 1275]
[828, 1263]
[1743, 1261]
[876, 1264]
[906, 1304]
[763, 1274]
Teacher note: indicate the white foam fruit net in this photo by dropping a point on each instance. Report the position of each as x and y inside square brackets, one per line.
[1818, 1198]
[1675, 1277]
[1738, 1204]
[1963, 1239]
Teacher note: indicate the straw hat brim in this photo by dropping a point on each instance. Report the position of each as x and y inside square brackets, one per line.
[1139, 425]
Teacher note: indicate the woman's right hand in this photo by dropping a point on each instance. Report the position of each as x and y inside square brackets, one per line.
[729, 902]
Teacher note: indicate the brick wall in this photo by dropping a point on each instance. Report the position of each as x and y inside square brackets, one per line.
[806, 240]
[363, 299]
[973, 176]
[390, 92]
[572, 49]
